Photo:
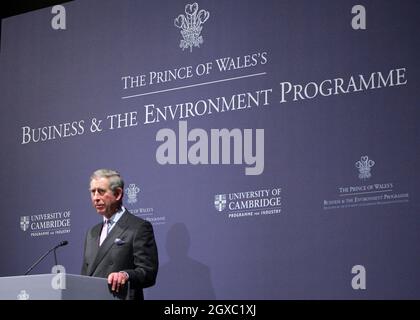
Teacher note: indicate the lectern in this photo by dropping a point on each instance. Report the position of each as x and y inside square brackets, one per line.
[57, 287]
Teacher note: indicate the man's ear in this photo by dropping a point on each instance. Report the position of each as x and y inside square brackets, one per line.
[118, 193]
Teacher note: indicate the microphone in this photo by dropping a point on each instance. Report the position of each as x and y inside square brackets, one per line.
[62, 243]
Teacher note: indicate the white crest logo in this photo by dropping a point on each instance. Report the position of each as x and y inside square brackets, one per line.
[132, 191]
[191, 26]
[23, 295]
[364, 165]
[220, 202]
[24, 223]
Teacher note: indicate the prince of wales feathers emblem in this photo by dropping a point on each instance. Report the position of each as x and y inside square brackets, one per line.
[191, 26]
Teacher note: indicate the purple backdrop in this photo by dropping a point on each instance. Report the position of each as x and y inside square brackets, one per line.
[341, 167]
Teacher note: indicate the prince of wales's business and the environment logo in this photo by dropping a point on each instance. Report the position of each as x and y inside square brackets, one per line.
[23, 295]
[220, 202]
[364, 165]
[132, 191]
[24, 223]
[191, 26]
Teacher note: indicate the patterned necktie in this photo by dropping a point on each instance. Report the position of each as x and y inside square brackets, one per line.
[104, 231]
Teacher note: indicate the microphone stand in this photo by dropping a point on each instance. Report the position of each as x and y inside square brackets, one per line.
[55, 256]
[39, 260]
[62, 243]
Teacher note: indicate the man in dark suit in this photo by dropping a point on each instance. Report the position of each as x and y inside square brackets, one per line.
[122, 248]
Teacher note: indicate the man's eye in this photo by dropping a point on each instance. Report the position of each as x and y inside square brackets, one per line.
[101, 192]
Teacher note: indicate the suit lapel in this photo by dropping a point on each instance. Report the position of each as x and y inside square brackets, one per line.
[94, 245]
[116, 232]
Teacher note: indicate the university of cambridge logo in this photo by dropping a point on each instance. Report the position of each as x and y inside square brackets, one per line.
[24, 223]
[220, 202]
[191, 26]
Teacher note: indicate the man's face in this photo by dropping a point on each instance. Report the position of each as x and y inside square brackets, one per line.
[103, 199]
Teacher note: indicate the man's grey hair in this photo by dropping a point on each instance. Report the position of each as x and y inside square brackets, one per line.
[115, 180]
